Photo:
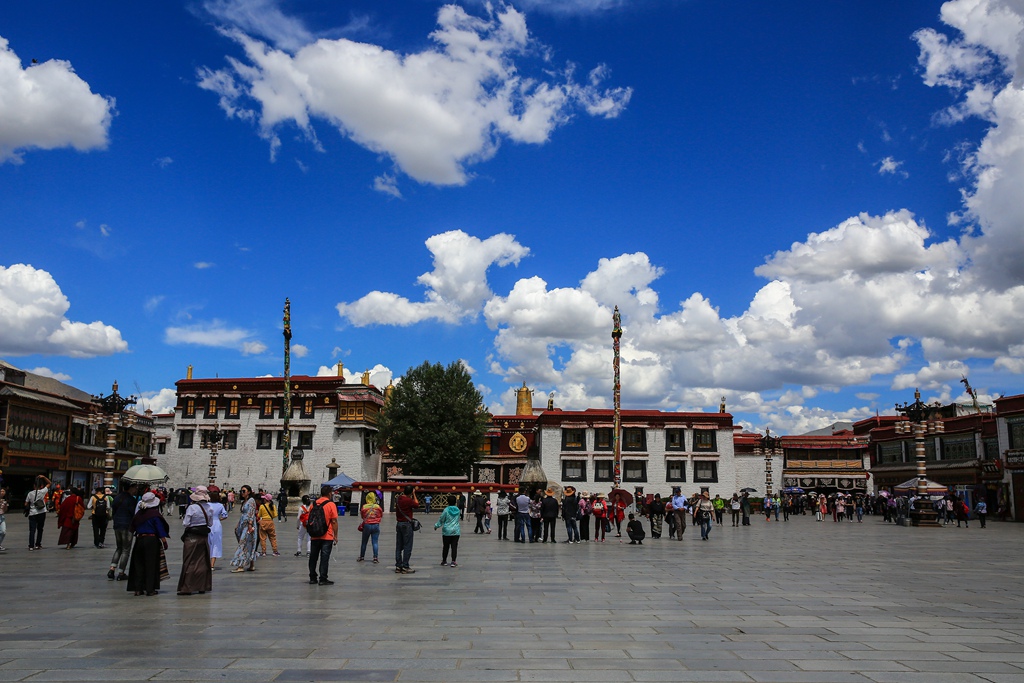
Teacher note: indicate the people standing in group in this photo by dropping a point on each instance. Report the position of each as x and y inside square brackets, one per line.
[570, 512]
[218, 513]
[522, 530]
[245, 532]
[196, 568]
[321, 545]
[69, 517]
[599, 508]
[99, 515]
[584, 515]
[503, 509]
[122, 511]
[548, 514]
[35, 503]
[656, 515]
[268, 531]
[451, 531]
[704, 513]
[303, 536]
[405, 506]
[734, 509]
[151, 531]
[680, 510]
[372, 514]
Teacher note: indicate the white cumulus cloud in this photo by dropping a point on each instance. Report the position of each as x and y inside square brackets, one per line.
[48, 106]
[432, 112]
[33, 308]
[217, 334]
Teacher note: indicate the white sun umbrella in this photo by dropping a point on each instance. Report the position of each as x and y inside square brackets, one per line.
[144, 474]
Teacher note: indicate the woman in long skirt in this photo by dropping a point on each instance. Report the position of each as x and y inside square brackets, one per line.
[216, 537]
[66, 519]
[245, 531]
[196, 571]
[151, 532]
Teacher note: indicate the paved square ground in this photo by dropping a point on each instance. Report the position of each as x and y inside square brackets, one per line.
[775, 602]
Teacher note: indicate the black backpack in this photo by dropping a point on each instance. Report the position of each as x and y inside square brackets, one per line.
[316, 521]
[99, 508]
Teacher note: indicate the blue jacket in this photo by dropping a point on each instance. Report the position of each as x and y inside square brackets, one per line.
[448, 522]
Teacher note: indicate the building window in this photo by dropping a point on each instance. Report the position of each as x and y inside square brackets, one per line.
[704, 440]
[675, 470]
[890, 452]
[603, 439]
[232, 408]
[959, 448]
[634, 439]
[675, 440]
[1015, 432]
[211, 409]
[634, 470]
[303, 440]
[268, 408]
[280, 440]
[264, 439]
[603, 470]
[705, 472]
[230, 440]
[574, 470]
[190, 407]
[574, 439]
[161, 448]
[185, 438]
[991, 447]
[307, 408]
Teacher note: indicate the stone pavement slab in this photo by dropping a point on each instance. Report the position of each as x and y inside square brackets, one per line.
[797, 602]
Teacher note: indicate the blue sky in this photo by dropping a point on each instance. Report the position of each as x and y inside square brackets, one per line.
[809, 208]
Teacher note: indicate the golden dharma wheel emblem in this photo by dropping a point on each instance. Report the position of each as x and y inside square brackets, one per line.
[517, 443]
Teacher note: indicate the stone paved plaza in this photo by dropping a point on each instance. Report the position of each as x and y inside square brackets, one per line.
[797, 601]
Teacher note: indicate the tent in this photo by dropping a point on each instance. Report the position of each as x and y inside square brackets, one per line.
[342, 481]
[910, 486]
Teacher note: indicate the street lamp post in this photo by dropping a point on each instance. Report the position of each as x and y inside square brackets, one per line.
[112, 414]
[213, 440]
[923, 420]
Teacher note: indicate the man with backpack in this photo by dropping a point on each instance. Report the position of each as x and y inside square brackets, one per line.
[100, 506]
[322, 526]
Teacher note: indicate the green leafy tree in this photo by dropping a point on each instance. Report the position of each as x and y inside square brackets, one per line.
[433, 421]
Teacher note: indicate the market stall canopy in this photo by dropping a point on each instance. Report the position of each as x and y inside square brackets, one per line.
[932, 487]
[342, 481]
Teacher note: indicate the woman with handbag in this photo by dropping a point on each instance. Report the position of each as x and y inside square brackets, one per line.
[196, 570]
[69, 516]
[151, 532]
[372, 514]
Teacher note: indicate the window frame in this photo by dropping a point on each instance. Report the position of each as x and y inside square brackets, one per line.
[304, 440]
[232, 411]
[669, 433]
[308, 408]
[186, 439]
[599, 464]
[230, 440]
[599, 435]
[265, 414]
[713, 479]
[682, 467]
[626, 464]
[568, 445]
[210, 410]
[264, 435]
[627, 432]
[582, 462]
[698, 447]
[189, 410]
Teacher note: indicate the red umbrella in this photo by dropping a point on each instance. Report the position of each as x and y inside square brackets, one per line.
[620, 495]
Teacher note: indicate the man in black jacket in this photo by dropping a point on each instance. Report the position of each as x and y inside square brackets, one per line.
[570, 513]
[548, 515]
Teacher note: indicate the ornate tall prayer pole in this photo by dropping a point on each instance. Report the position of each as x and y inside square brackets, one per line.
[286, 438]
[616, 391]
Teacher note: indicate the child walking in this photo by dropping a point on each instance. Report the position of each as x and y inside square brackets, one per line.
[451, 530]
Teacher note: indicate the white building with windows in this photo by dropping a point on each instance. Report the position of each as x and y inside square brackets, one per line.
[332, 424]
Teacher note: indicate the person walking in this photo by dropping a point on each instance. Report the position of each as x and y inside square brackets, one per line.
[99, 515]
[680, 510]
[548, 515]
[245, 531]
[476, 506]
[35, 503]
[719, 505]
[705, 513]
[268, 531]
[216, 538]
[303, 537]
[503, 509]
[196, 570]
[322, 545]
[122, 512]
[405, 505]
[372, 514]
[656, 515]
[151, 531]
[734, 508]
[570, 511]
[451, 531]
[69, 517]
[981, 508]
[282, 505]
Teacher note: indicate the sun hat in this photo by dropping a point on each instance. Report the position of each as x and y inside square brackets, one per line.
[149, 500]
[200, 495]
[584, 494]
[569, 490]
